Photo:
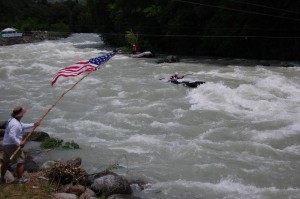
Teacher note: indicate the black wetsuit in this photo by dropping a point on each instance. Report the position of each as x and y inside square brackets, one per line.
[187, 83]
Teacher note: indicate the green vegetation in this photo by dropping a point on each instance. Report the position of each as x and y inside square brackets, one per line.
[131, 38]
[39, 15]
[50, 143]
[70, 145]
[262, 29]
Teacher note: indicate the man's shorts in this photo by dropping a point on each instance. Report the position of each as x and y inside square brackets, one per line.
[8, 151]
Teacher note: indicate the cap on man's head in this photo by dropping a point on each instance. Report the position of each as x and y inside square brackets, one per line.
[18, 111]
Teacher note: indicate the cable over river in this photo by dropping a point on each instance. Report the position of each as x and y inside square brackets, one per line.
[236, 136]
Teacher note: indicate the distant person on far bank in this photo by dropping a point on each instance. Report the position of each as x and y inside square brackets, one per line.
[13, 138]
[134, 49]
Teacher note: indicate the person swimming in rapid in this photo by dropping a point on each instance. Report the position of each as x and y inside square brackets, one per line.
[175, 77]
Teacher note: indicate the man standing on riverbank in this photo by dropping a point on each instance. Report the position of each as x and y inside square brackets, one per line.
[13, 138]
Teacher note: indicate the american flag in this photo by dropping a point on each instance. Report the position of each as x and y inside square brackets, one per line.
[82, 66]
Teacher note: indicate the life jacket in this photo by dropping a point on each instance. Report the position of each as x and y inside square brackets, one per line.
[134, 49]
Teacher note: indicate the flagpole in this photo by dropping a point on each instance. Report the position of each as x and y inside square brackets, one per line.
[46, 113]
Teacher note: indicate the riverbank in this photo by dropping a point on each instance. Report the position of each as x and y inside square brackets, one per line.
[32, 37]
[63, 179]
[215, 141]
[36, 187]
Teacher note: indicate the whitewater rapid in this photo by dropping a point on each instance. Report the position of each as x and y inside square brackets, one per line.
[237, 136]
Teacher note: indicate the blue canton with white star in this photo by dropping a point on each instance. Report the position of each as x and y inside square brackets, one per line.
[99, 60]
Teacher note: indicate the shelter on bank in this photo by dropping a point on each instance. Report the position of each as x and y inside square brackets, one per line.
[10, 32]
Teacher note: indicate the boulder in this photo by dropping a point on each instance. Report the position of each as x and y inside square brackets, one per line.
[8, 177]
[172, 58]
[169, 59]
[37, 136]
[92, 177]
[64, 196]
[88, 194]
[48, 164]
[121, 196]
[2, 124]
[111, 184]
[138, 184]
[74, 189]
[288, 65]
[31, 166]
[75, 162]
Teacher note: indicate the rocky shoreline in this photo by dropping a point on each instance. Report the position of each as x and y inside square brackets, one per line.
[75, 182]
[31, 37]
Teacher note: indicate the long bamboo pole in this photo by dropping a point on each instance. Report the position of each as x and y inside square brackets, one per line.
[46, 113]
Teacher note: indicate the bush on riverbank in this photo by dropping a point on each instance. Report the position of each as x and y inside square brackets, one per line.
[50, 143]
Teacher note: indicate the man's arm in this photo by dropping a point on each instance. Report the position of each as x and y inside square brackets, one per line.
[30, 125]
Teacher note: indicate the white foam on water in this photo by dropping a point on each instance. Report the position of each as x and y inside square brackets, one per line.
[168, 125]
[244, 122]
[131, 149]
[121, 57]
[277, 134]
[139, 144]
[294, 149]
[225, 188]
[267, 97]
[117, 102]
[209, 166]
[95, 140]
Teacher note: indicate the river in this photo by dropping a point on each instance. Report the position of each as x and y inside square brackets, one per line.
[237, 136]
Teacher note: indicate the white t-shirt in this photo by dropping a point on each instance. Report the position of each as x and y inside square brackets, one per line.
[14, 132]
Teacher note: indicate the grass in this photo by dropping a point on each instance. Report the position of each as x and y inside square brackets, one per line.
[37, 187]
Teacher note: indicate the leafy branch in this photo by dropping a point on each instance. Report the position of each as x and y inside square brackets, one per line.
[50, 143]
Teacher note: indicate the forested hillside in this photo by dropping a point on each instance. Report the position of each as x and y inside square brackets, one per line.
[263, 29]
[34, 15]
